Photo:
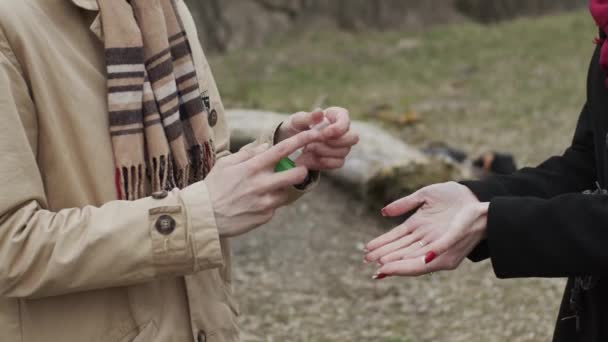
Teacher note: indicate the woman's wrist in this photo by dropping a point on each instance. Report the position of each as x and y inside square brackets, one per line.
[481, 223]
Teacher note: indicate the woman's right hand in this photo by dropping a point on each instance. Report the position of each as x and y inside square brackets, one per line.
[245, 191]
[448, 223]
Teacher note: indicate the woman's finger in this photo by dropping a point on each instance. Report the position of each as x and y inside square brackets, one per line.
[418, 248]
[454, 234]
[420, 266]
[404, 242]
[402, 252]
[407, 268]
[404, 229]
[404, 205]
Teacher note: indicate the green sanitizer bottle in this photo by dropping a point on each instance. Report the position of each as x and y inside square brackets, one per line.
[288, 164]
[284, 165]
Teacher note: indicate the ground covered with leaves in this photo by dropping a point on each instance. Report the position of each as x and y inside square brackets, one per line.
[515, 87]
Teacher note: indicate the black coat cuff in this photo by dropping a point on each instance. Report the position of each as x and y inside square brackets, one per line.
[485, 191]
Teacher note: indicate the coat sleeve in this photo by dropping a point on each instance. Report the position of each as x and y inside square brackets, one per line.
[45, 252]
[572, 172]
[563, 236]
[539, 223]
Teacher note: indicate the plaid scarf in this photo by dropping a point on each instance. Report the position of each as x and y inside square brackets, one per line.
[158, 120]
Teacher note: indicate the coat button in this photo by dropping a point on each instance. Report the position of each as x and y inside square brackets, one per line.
[160, 194]
[165, 224]
[212, 118]
[201, 337]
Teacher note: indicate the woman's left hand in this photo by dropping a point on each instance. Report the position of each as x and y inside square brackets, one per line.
[448, 224]
[336, 143]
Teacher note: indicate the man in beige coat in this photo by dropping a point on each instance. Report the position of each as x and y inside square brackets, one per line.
[77, 263]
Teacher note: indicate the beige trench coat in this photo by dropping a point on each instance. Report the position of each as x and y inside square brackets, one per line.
[75, 263]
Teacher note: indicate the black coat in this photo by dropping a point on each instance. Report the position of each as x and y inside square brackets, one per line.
[540, 224]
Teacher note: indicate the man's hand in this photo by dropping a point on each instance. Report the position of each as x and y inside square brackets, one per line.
[244, 189]
[337, 138]
[448, 224]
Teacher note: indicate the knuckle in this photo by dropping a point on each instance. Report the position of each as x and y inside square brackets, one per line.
[221, 163]
[407, 229]
[452, 264]
[267, 216]
[252, 166]
[300, 173]
[283, 149]
[267, 203]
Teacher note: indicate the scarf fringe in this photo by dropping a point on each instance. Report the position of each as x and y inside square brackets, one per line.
[162, 173]
[130, 182]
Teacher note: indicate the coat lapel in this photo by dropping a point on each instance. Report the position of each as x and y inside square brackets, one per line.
[91, 5]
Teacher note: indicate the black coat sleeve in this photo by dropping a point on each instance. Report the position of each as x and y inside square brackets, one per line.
[572, 172]
[563, 236]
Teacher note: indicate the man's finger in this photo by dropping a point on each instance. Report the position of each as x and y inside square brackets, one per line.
[404, 205]
[331, 163]
[280, 180]
[303, 121]
[324, 150]
[347, 140]
[340, 123]
[245, 153]
[284, 149]
[272, 201]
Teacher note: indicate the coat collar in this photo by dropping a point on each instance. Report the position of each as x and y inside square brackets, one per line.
[91, 5]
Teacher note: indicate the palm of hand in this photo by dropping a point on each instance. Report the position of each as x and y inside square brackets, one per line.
[446, 221]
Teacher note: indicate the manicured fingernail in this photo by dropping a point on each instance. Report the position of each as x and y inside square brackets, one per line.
[384, 212]
[379, 276]
[430, 256]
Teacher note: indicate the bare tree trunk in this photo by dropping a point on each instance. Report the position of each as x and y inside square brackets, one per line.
[488, 11]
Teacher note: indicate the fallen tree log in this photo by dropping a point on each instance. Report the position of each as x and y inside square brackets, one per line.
[380, 169]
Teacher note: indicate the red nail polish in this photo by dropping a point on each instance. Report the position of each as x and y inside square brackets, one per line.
[430, 256]
[379, 276]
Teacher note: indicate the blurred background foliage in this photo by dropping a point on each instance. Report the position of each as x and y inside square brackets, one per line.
[229, 24]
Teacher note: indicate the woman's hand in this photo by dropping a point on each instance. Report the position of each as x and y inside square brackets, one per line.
[244, 189]
[448, 224]
[335, 145]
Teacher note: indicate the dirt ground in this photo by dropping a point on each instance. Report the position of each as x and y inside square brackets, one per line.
[304, 280]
